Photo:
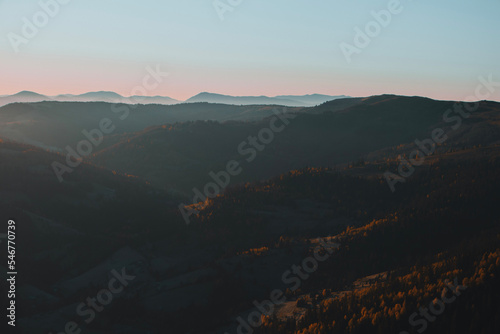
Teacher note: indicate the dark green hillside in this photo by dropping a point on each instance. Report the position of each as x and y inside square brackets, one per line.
[55, 125]
[181, 156]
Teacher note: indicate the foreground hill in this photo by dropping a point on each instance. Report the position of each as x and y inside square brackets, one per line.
[27, 184]
[241, 243]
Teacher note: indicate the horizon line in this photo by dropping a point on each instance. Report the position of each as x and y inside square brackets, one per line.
[339, 96]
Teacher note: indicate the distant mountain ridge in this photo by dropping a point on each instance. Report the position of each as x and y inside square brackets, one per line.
[112, 97]
[284, 100]
[23, 97]
[102, 96]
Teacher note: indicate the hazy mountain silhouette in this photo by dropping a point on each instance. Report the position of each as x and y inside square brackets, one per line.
[111, 97]
[23, 97]
[90, 97]
[290, 100]
[311, 100]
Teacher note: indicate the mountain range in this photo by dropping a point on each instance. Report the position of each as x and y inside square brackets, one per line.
[316, 190]
[283, 100]
[320, 179]
[112, 97]
[187, 141]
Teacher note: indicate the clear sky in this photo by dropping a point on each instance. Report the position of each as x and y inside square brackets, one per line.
[262, 47]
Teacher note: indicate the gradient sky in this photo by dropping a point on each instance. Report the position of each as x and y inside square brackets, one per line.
[263, 47]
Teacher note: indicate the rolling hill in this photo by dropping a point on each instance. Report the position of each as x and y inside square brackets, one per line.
[54, 125]
[336, 133]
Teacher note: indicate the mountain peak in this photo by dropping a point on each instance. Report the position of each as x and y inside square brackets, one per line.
[102, 93]
[28, 93]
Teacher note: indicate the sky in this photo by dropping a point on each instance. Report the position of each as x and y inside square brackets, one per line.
[437, 49]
